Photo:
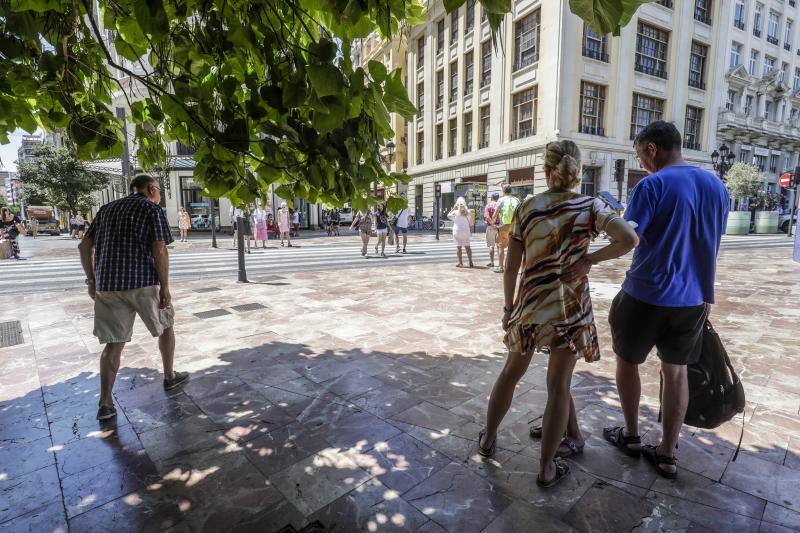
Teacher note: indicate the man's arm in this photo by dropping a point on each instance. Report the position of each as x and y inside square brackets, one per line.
[86, 250]
[161, 259]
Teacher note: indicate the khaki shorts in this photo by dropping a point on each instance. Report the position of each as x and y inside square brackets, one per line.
[503, 236]
[491, 236]
[115, 311]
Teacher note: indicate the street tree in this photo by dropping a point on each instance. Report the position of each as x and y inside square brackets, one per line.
[55, 176]
[744, 181]
[265, 90]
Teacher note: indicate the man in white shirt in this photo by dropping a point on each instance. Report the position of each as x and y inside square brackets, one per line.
[401, 227]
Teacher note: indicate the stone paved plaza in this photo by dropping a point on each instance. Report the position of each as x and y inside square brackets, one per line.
[353, 399]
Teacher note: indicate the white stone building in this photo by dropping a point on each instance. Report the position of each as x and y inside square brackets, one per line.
[488, 109]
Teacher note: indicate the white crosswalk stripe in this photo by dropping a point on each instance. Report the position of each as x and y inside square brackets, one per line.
[66, 273]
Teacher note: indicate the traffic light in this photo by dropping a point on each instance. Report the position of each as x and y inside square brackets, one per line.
[619, 169]
[795, 181]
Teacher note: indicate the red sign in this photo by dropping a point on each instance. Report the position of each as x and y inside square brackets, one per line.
[786, 179]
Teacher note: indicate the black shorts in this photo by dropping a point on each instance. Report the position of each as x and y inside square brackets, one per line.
[636, 327]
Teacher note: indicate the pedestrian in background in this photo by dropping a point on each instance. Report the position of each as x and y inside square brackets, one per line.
[272, 228]
[125, 258]
[10, 229]
[461, 230]
[183, 223]
[506, 207]
[80, 222]
[260, 224]
[73, 226]
[247, 227]
[363, 223]
[491, 221]
[335, 221]
[296, 222]
[551, 233]
[284, 223]
[401, 228]
[34, 224]
[381, 228]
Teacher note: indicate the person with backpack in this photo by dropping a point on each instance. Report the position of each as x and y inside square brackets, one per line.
[679, 212]
[506, 207]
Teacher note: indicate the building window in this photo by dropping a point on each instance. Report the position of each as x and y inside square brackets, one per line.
[182, 149]
[691, 128]
[769, 65]
[697, 65]
[773, 163]
[748, 104]
[792, 121]
[744, 156]
[453, 136]
[469, 72]
[730, 103]
[651, 50]
[760, 161]
[420, 52]
[454, 26]
[467, 133]
[524, 113]
[787, 35]
[589, 181]
[757, 19]
[486, 63]
[772, 27]
[420, 147]
[439, 140]
[526, 40]
[453, 81]
[665, 3]
[702, 11]
[593, 99]
[796, 82]
[595, 46]
[753, 62]
[768, 109]
[485, 125]
[739, 15]
[440, 37]
[420, 98]
[736, 55]
[784, 75]
[469, 18]
[439, 89]
[646, 109]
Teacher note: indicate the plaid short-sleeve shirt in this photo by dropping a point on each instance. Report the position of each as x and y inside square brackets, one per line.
[122, 233]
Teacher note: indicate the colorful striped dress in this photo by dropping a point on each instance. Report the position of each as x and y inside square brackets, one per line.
[555, 229]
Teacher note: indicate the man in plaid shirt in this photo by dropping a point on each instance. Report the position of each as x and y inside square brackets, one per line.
[128, 275]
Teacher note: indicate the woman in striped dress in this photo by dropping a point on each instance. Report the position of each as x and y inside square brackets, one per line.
[552, 308]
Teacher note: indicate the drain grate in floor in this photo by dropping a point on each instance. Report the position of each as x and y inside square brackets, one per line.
[10, 333]
[247, 307]
[207, 289]
[212, 313]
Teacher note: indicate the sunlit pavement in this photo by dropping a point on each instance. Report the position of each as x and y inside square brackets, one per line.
[354, 399]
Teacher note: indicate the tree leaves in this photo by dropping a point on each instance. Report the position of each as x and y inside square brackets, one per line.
[325, 79]
[606, 16]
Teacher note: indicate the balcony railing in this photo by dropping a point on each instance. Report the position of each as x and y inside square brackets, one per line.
[439, 102]
[468, 88]
[697, 84]
[486, 79]
[665, 3]
[594, 53]
[658, 72]
[702, 17]
[592, 130]
[451, 153]
[691, 146]
[467, 148]
[772, 40]
[482, 145]
[525, 62]
[739, 24]
[756, 32]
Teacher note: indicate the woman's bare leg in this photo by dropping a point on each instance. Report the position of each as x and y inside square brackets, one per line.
[503, 393]
[557, 412]
[458, 254]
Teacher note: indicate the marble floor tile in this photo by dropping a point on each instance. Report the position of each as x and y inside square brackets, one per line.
[162, 413]
[359, 430]
[458, 499]
[442, 393]
[26, 494]
[318, 480]
[369, 507]
[763, 479]
[403, 462]
[20, 458]
[282, 447]
[353, 384]
[777, 514]
[522, 517]
[112, 444]
[709, 518]
[138, 511]
[386, 401]
[189, 435]
[45, 519]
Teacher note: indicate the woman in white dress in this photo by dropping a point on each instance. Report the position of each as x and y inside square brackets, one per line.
[183, 223]
[461, 230]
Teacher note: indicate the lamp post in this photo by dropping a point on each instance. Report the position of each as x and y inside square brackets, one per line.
[722, 160]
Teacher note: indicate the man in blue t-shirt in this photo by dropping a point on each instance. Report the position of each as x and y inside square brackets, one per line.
[679, 212]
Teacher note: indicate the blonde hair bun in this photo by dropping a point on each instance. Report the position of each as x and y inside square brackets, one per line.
[562, 160]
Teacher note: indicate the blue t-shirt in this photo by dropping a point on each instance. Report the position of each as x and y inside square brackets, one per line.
[680, 213]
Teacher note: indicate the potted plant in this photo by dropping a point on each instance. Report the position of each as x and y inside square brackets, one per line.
[744, 183]
[766, 204]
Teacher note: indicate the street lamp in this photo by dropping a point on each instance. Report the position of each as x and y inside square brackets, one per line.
[722, 160]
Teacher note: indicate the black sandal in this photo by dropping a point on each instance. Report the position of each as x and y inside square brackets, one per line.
[483, 452]
[562, 469]
[536, 432]
[656, 459]
[616, 436]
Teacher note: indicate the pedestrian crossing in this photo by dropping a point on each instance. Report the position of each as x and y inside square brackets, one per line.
[46, 274]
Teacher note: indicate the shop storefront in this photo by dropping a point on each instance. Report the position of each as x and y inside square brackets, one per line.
[521, 181]
[197, 205]
[474, 192]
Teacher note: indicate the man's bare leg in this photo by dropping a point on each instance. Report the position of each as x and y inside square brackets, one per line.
[109, 366]
[166, 345]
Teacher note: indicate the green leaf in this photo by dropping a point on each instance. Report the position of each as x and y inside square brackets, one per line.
[498, 7]
[395, 97]
[606, 16]
[377, 70]
[325, 79]
[452, 5]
